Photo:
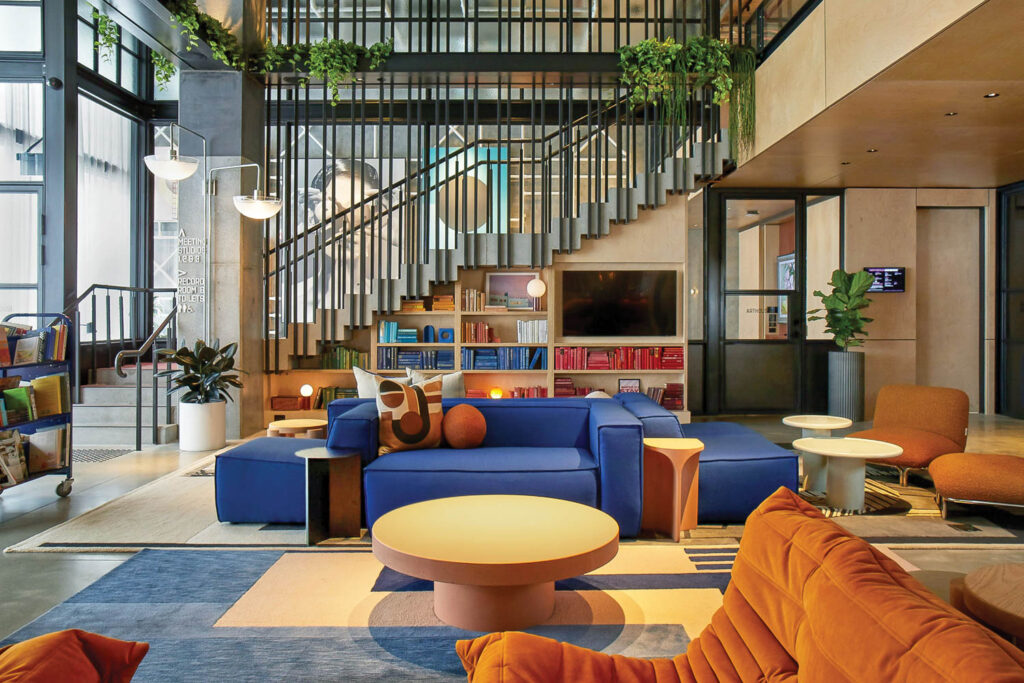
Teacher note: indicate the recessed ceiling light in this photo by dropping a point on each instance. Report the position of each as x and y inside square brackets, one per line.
[951, 113]
[844, 163]
[991, 95]
[872, 150]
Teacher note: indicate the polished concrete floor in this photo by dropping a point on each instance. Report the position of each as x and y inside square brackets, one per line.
[34, 582]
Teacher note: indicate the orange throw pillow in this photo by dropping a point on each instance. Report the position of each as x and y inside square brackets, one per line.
[410, 416]
[72, 655]
[464, 426]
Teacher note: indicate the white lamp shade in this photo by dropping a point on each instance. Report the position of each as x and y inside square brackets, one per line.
[536, 288]
[171, 168]
[258, 208]
[306, 390]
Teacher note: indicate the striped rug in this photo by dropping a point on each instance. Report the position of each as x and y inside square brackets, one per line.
[881, 498]
[340, 615]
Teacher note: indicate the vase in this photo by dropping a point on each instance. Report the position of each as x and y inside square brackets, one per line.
[202, 426]
[846, 384]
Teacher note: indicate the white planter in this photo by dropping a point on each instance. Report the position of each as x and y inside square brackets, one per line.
[201, 426]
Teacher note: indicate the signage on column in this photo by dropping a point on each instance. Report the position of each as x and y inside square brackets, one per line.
[191, 285]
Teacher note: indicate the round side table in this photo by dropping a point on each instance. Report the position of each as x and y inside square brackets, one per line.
[309, 428]
[671, 469]
[844, 487]
[994, 595]
[815, 470]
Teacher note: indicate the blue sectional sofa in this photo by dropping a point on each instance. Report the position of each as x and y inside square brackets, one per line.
[587, 451]
[739, 468]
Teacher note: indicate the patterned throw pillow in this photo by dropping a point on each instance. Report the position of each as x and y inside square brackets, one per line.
[410, 416]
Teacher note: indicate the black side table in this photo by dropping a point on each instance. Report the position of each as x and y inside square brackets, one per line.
[333, 493]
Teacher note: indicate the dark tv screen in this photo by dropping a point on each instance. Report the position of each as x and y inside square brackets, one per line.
[619, 303]
[888, 279]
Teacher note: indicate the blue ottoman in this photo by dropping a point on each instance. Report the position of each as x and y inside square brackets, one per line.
[263, 481]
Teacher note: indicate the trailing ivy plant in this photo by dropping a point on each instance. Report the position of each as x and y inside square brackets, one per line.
[163, 69]
[106, 35]
[844, 306]
[661, 73]
[196, 25]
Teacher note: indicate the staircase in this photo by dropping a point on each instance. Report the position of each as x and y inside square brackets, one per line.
[572, 213]
[106, 415]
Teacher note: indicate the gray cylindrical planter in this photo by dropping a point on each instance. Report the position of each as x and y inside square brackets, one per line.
[846, 384]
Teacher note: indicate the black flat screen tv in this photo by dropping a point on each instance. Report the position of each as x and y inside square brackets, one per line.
[888, 279]
[619, 303]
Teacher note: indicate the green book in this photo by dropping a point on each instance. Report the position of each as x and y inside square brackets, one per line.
[19, 403]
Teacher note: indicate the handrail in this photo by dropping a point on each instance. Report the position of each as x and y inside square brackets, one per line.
[117, 288]
[137, 354]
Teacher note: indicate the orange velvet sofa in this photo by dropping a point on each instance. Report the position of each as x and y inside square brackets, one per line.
[925, 422]
[807, 601]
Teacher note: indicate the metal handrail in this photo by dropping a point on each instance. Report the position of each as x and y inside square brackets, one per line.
[137, 354]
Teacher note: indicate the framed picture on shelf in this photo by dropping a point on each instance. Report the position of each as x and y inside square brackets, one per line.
[786, 265]
[629, 386]
[509, 290]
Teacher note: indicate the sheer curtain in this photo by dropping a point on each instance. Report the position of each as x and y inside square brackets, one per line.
[105, 175]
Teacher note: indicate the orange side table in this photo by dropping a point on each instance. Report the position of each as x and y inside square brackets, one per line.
[671, 467]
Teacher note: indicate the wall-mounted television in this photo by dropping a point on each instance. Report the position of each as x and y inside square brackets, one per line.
[619, 303]
[888, 279]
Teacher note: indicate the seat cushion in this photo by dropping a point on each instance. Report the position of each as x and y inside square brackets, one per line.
[485, 459]
[979, 476]
[263, 481]
[277, 449]
[919, 447]
[72, 655]
[731, 441]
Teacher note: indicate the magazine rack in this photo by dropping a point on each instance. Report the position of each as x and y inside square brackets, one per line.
[30, 371]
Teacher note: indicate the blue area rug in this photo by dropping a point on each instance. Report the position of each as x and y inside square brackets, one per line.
[184, 602]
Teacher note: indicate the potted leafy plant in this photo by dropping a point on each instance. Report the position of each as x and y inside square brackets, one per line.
[844, 319]
[204, 372]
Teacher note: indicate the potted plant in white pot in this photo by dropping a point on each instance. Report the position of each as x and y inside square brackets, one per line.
[203, 372]
[844, 319]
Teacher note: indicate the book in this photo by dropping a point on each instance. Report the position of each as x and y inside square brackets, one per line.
[18, 402]
[5, 352]
[13, 468]
[52, 394]
[47, 449]
[30, 347]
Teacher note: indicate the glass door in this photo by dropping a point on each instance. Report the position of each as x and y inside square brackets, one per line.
[21, 208]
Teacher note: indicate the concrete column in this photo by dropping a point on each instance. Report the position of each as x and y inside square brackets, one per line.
[223, 276]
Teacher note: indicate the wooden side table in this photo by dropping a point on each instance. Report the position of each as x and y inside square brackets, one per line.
[333, 493]
[310, 428]
[993, 595]
[671, 468]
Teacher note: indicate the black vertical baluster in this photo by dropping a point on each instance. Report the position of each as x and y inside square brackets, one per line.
[110, 348]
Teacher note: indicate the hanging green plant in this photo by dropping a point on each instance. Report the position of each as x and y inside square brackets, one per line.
[662, 72]
[333, 61]
[106, 36]
[196, 25]
[163, 69]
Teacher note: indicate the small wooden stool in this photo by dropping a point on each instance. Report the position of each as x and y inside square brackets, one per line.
[671, 469]
[301, 428]
[993, 595]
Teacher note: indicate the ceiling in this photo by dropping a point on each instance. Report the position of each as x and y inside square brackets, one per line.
[902, 113]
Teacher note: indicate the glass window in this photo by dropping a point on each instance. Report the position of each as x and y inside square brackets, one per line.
[18, 301]
[123, 64]
[19, 277]
[165, 227]
[21, 27]
[756, 316]
[21, 132]
[106, 172]
[760, 244]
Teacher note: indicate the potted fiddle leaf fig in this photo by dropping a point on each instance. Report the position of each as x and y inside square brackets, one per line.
[204, 373]
[844, 318]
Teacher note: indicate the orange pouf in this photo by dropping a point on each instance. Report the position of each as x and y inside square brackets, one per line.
[986, 477]
[464, 426]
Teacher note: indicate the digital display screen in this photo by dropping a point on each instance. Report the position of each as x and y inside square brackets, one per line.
[888, 279]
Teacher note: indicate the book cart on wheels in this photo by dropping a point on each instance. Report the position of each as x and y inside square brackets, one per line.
[31, 371]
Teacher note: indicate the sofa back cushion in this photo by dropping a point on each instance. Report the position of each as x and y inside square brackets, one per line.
[933, 409]
[658, 422]
[840, 608]
[540, 422]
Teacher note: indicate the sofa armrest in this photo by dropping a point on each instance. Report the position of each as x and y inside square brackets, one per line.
[356, 429]
[617, 444]
[340, 406]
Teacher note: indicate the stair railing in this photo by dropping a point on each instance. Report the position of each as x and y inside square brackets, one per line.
[150, 346]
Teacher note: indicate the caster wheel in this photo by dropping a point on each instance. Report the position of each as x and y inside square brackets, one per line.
[64, 488]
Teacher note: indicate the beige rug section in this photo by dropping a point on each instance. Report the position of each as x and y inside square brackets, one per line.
[176, 510]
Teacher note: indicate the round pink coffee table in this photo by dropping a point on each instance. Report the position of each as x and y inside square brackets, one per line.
[494, 559]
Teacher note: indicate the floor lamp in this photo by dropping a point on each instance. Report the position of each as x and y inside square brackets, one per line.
[257, 206]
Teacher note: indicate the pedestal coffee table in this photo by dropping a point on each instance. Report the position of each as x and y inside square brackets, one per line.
[811, 426]
[494, 559]
[844, 488]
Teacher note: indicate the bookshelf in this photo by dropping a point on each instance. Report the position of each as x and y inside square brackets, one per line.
[503, 324]
[34, 371]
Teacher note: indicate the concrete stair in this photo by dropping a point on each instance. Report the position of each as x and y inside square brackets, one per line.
[106, 416]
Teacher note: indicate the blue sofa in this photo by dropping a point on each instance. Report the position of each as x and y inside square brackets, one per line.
[739, 468]
[587, 451]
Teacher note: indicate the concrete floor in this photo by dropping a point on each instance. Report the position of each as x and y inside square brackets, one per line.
[35, 582]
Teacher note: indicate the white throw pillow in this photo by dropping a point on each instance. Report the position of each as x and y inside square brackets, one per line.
[366, 382]
[597, 394]
[452, 385]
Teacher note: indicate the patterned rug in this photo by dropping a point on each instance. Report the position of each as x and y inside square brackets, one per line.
[340, 615]
[882, 498]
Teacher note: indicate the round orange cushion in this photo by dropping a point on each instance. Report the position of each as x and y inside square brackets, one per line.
[464, 426]
[988, 477]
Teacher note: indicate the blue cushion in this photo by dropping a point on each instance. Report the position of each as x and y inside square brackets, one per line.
[657, 421]
[486, 459]
[730, 441]
[263, 481]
